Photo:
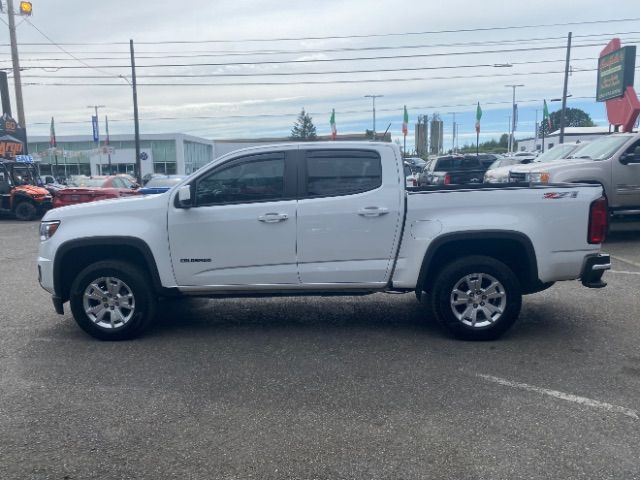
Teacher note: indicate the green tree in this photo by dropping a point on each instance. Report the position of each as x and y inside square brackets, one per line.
[574, 117]
[504, 140]
[303, 129]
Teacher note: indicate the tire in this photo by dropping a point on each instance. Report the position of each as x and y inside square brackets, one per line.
[25, 211]
[113, 280]
[496, 308]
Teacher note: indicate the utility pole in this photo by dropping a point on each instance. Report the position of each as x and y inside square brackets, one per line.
[564, 90]
[535, 134]
[373, 97]
[136, 120]
[106, 142]
[513, 116]
[453, 132]
[16, 64]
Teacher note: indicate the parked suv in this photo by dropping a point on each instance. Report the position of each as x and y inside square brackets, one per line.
[19, 193]
[612, 161]
[453, 170]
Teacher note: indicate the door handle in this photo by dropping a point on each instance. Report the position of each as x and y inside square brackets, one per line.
[273, 217]
[373, 211]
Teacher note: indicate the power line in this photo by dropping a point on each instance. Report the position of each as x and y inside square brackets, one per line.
[196, 54]
[329, 72]
[309, 82]
[324, 60]
[342, 37]
[295, 114]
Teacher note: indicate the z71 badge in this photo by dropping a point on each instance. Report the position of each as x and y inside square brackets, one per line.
[557, 195]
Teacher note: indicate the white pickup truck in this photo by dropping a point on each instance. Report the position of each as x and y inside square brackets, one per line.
[322, 218]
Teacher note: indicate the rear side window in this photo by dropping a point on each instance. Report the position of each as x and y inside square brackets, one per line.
[342, 172]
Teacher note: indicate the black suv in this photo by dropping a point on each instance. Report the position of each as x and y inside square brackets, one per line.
[453, 170]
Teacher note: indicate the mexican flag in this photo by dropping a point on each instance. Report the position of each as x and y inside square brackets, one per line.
[405, 122]
[478, 117]
[52, 135]
[332, 122]
[546, 117]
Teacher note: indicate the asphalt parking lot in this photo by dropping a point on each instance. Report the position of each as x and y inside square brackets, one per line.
[326, 388]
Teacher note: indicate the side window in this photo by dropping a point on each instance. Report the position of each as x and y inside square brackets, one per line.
[634, 149]
[117, 183]
[258, 179]
[342, 172]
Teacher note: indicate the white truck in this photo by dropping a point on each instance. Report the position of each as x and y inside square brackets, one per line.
[321, 219]
[612, 162]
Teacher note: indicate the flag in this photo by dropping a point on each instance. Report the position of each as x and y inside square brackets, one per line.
[405, 122]
[546, 117]
[52, 135]
[332, 122]
[515, 117]
[478, 117]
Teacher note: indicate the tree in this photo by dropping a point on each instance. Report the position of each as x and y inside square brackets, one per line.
[303, 129]
[574, 117]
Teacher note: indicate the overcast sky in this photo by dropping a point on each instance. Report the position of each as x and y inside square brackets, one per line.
[244, 110]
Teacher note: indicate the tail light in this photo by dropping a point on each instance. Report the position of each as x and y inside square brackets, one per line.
[598, 220]
[447, 179]
[414, 182]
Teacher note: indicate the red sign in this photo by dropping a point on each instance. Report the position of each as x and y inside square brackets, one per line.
[622, 110]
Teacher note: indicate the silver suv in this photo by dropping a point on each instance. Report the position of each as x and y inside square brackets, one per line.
[612, 161]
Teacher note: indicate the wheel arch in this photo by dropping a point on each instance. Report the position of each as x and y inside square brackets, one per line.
[515, 249]
[74, 255]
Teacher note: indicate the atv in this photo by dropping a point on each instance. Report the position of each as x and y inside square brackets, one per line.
[19, 191]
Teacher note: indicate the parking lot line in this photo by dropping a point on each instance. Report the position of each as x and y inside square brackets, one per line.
[620, 259]
[563, 396]
[624, 272]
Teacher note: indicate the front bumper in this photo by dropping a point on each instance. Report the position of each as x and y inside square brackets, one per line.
[593, 269]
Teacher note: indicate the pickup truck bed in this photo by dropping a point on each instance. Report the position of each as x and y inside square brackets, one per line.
[321, 218]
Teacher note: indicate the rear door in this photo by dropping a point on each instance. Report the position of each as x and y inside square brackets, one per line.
[349, 215]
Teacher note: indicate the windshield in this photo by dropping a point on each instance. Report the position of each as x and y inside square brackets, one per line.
[503, 162]
[23, 175]
[166, 182]
[558, 152]
[602, 148]
[87, 182]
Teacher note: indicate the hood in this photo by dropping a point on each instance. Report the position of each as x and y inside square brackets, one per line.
[550, 166]
[125, 205]
[31, 190]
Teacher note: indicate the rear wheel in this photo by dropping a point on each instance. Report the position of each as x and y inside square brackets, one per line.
[112, 300]
[26, 211]
[476, 298]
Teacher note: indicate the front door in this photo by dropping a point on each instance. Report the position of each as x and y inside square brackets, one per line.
[626, 180]
[242, 228]
[349, 215]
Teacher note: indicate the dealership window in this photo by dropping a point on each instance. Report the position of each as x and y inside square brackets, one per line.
[166, 168]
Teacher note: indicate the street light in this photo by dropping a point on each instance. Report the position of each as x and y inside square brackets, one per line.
[373, 97]
[513, 117]
[559, 99]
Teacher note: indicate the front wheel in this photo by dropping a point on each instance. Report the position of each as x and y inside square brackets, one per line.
[476, 298]
[112, 300]
[26, 211]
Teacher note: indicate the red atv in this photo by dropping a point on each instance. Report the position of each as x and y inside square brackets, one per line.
[19, 193]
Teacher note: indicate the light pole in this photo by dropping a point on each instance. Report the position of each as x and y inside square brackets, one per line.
[453, 132]
[564, 89]
[513, 115]
[373, 98]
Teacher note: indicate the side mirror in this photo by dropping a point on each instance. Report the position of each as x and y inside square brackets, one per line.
[627, 158]
[184, 197]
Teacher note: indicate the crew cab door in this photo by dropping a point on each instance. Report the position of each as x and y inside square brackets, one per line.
[349, 214]
[241, 227]
[626, 179]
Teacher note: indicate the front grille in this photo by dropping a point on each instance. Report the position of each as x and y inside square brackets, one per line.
[517, 177]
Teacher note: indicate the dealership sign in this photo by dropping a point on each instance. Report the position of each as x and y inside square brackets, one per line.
[615, 73]
[616, 67]
[12, 137]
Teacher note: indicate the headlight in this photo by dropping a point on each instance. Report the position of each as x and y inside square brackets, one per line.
[539, 177]
[47, 229]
